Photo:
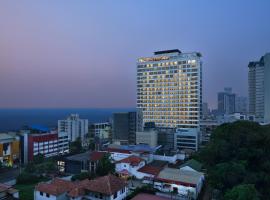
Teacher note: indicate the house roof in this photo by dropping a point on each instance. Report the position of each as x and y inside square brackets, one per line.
[107, 185]
[132, 160]
[118, 150]
[194, 164]
[148, 169]
[79, 189]
[144, 196]
[4, 187]
[178, 176]
[56, 187]
[79, 157]
[97, 155]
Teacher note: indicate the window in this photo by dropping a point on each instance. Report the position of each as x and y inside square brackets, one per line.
[47, 195]
[115, 195]
[41, 193]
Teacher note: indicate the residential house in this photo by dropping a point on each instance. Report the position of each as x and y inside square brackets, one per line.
[107, 187]
[129, 166]
[78, 163]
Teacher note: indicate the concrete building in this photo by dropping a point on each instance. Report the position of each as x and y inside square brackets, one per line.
[234, 117]
[149, 137]
[101, 130]
[187, 139]
[41, 143]
[100, 134]
[83, 162]
[166, 137]
[169, 88]
[9, 149]
[124, 127]
[63, 143]
[205, 110]
[74, 127]
[226, 102]
[259, 89]
[241, 105]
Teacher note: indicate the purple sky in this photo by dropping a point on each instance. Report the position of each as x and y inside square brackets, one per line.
[83, 53]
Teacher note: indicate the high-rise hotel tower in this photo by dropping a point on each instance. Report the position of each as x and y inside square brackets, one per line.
[169, 89]
[259, 89]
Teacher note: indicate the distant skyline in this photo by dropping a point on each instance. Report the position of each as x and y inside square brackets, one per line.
[74, 54]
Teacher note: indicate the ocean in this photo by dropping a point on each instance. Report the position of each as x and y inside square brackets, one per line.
[14, 119]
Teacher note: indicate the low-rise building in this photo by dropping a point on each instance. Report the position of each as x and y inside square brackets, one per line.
[9, 149]
[151, 170]
[129, 166]
[183, 182]
[187, 139]
[107, 187]
[42, 143]
[119, 152]
[192, 165]
[78, 163]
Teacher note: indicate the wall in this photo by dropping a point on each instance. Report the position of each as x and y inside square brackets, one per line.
[119, 156]
[170, 159]
[133, 170]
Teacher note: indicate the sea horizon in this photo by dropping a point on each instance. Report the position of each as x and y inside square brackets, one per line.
[13, 119]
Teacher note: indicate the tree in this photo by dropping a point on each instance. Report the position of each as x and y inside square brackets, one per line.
[76, 146]
[242, 192]
[238, 154]
[39, 158]
[105, 166]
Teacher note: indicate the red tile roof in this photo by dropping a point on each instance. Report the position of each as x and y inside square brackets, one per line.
[144, 196]
[97, 155]
[56, 187]
[132, 160]
[107, 185]
[4, 187]
[79, 189]
[148, 169]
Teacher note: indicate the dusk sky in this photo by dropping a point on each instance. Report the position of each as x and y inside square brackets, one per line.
[83, 53]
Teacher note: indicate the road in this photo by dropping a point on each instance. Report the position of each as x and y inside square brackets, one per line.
[8, 175]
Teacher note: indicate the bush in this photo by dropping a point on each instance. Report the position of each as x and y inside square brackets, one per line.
[27, 178]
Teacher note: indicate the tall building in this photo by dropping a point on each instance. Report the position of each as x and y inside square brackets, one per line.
[169, 88]
[241, 104]
[205, 110]
[259, 89]
[226, 102]
[73, 127]
[124, 127]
